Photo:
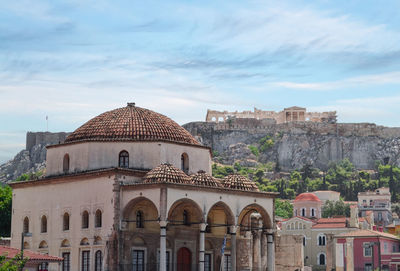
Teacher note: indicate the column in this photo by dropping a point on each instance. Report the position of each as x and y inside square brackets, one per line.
[233, 230]
[270, 251]
[257, 250]
[249, 245]
[163, 246]
[202, 245]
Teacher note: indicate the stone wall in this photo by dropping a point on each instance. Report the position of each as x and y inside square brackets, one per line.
[44, 138]
[289, 253]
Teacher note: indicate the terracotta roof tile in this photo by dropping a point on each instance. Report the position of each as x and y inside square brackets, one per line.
[237, 181]
[203, 179]
[307, 197]
[329, 225]
[367, 233]
[332, 220]
[131, 123]
[10, 252]
[166, 173]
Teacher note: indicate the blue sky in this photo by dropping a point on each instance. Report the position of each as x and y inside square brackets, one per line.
[72, 60]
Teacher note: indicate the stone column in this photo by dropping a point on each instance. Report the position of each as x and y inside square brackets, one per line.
[264, 251]
[257, 250]
[233, 230]
[163, 246]
[270, 251]
[202, 246]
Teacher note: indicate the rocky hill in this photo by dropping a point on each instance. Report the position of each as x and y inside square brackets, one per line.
[33, 158]
[295, 144]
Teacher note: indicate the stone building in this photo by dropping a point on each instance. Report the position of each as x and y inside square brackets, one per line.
[307, 205]
[132, 190]
[379, 202]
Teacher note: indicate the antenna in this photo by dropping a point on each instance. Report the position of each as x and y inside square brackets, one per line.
[47, 123]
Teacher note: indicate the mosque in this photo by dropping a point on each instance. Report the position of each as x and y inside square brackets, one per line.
[132, 190]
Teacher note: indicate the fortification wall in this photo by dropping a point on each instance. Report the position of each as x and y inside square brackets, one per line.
[44, 138]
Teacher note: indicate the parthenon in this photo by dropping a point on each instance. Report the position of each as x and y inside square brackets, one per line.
[289, 114]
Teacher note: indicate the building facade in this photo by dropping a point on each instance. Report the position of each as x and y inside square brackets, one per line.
[379, 202]
[132, 190]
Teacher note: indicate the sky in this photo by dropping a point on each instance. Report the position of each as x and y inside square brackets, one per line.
[72, 60]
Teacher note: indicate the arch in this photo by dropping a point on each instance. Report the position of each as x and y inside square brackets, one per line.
[43, 224]
[313, 212]
[97, 240]
[98, 218]
[65, 243]
[98, 260]
[84, 242]
[66, 221]
[25, 228]
[292, 226]
[185, 162]
[66, 163]
[304, 240]
[220, 214]
[321, 239]
[85, 219]
[43, 244]
[26, 245]
[194, 212]
[123, 159]
[296, 225]
[321, 258]
[135, 204]
[255, 208]
[303, 212]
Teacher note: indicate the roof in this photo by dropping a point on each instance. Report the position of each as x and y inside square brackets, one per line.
[237, 181]
[203, 179]
[307, 197]
[329, 225]
[10, 252]
[295, 108]
[132, 123]
[166, 173]
[367, 233]
[334, 222]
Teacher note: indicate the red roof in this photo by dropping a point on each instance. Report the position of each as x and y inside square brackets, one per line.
[367, 233]
[132, 123]
[10, 252]
[307, 197]
[332, 220]
[329, 225]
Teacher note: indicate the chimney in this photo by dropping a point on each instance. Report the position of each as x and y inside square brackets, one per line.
[374, 227]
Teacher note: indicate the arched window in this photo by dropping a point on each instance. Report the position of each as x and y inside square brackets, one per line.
[139, 219]
[186, 219]
[304, 241]
[85, 220]
[123, 159]
[66, 163]
[303, 211]
[98, 259]
[43, 227]
[97, 219]
[321, 240]
[26, 225]
[66, 222]
[185, 163]
[312, 212]
[321, 259]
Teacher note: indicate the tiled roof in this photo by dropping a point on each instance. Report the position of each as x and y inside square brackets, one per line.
[307, 197]
[332, 220]
[237, 181]
[329, 225]
[166, 173]
[131, 123]
[367, 233]
[203, 179]
[10, 252]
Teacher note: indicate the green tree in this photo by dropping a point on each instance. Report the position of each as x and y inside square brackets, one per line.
[335, 208]
[283, 208]
[5, 210]
[13, 264]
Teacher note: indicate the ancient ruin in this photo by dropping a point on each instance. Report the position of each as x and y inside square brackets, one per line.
[289, 114]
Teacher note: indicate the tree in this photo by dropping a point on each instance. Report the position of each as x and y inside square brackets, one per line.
[13, 264]
[283, 208]
[335, 208]
[5, 210]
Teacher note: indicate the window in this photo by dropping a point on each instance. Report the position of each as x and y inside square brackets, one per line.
[321, 240]
[227, 263]
[97, 220]
[321, 259]
[385, 247]
[85, 220]
[370, 202]
[66, 163]
[138, 260]
[98, 261]
[364, 202]
[66, 222]
[368, 267]
[303, 211]
[304, 241]
[380, 216]
[393, 248]
[186, 220]
[26, 225]
[43, 227]
[207, 262]
[295, 212]
[185, 163]
[367, 250]
[123, 159]
[66, 263]
[43, 266]
[139, 219]
[313, 212]
[85, 260]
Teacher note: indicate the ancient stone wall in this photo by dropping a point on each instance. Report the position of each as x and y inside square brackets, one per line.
[289, 253]
[44, 138]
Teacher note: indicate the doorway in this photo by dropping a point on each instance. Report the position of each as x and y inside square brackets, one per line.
[184, 259]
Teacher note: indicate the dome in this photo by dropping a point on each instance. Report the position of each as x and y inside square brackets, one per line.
[236, 181]
[132, 123]
[166, 173]
[201, 178]
[307, 197]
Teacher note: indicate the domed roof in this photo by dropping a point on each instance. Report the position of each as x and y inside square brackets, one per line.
[307, 197]
[131, 123]
[203, 179]
[166, 173]
[237, 181]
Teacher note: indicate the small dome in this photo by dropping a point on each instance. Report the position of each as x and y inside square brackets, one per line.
[132, 123]
[166, 173]
[307, 197]
[201, 178]
[236, 181]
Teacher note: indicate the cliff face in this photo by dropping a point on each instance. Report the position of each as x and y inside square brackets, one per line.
[296, 144]
[33, 158]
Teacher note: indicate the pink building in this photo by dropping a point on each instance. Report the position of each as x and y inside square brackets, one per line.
[307, 205]
[366, 250]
